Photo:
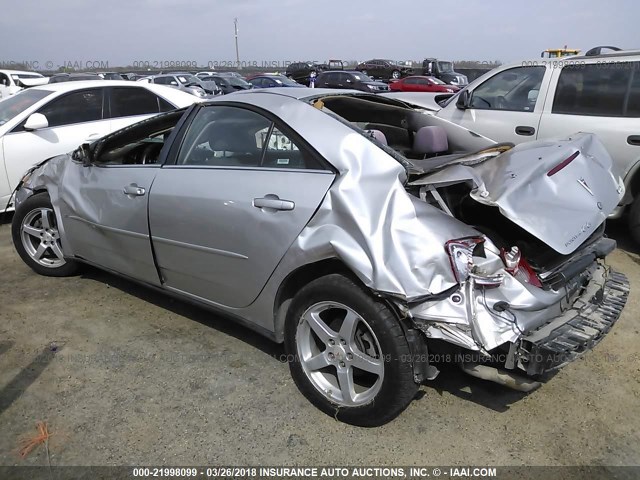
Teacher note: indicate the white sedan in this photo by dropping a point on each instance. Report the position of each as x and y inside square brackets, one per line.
[12, 81]
[49, 120]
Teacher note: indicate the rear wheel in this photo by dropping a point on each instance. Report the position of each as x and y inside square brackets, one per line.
[634, 220]
[347, 352]
[36, 238]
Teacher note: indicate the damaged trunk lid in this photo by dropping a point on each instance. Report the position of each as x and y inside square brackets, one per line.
[558, 191]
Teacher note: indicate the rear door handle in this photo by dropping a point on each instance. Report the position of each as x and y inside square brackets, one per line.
[134, 190]
[634, 140]
[273, 202]
[526, 131]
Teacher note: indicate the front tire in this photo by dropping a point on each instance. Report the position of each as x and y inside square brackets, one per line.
[395, 74]
[347, 352]
[36, 238]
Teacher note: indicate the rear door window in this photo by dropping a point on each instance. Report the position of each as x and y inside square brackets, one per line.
[130, 101]
[595, 89]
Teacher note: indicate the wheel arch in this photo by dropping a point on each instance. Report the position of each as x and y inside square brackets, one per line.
[632, 183]
[298, 279]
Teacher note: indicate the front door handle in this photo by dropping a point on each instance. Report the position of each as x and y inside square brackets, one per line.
[634, 140]
[273, 202]
[134, 190]
[526, 131]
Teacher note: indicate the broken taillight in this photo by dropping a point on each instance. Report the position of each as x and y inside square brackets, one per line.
[562, 164]
[518, 266]
[461, 257]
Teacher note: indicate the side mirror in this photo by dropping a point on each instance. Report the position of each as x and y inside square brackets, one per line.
[464, 100]
[36, 121]
[82, 154]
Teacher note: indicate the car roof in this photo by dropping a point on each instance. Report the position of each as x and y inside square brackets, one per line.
[69, 86]
[298, 93]
[355, 72]
[20, 72]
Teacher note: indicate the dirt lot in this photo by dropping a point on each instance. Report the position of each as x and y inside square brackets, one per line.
[137, 378]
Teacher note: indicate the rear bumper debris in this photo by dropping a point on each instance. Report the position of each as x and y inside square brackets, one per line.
[578, 330]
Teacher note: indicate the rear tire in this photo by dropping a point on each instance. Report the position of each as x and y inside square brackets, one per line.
[36, 238]
[634, 220]
[348, 353]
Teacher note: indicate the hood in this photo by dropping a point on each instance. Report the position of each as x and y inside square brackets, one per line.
[559, 191]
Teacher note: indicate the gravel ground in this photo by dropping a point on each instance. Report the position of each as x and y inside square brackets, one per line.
[137, 378]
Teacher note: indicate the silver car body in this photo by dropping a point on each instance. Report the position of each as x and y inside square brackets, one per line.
[357, 213]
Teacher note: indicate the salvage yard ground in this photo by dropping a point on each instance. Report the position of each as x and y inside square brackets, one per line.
[125, 376]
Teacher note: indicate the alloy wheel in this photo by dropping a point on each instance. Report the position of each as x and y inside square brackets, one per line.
[340, 354]
[41, 238]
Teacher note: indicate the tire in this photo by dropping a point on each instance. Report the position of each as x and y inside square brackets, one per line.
[395, 74]
[365, 333]
[37, 240]
[634, 220]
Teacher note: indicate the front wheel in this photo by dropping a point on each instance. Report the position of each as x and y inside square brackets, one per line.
[36, 238]
[347, 352]
[395, 74]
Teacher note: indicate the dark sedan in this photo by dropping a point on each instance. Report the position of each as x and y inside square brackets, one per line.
[384, 69]
[353, 80]
[270, 81]
[228, 84]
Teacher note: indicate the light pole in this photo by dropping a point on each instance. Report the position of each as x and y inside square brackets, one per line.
[235, 23]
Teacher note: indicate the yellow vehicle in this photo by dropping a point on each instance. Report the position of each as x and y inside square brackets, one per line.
[559, 52]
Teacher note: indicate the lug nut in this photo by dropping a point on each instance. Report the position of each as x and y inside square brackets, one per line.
[342, 341]
[349, 356]
[331, 355]
[342, 364]
[332, 342]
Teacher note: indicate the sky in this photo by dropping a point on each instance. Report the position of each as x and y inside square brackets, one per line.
[119, 33]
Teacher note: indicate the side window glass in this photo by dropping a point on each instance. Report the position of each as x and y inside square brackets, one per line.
[224, 137]
[76, 107]
[236, 137]
[515, 89]
[595, 89]
[282, 152]
[131, 101]
[633, 102]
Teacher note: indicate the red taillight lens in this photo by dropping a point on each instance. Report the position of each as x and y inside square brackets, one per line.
[562, 164]
[518, 266]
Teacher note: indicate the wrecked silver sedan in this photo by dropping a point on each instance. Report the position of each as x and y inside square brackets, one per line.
[355, 229]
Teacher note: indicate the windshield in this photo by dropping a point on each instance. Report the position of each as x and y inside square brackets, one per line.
[237, 82]
[282, 80]
[363, 78]
[18, 103]
[186, 79]
[445, 66]
[436, 81]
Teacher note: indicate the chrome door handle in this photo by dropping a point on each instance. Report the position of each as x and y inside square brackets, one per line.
[134, 190]
[273, 202]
